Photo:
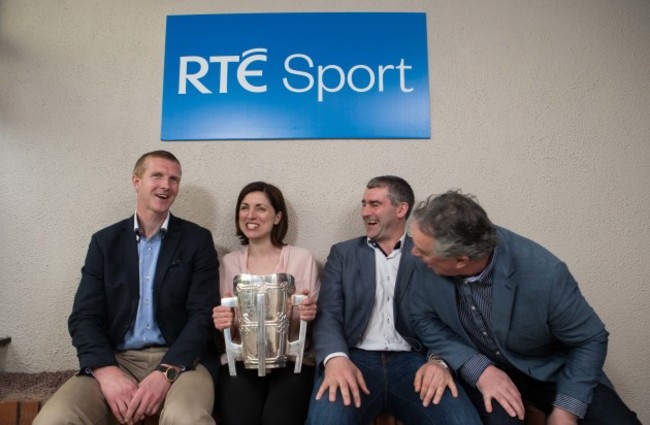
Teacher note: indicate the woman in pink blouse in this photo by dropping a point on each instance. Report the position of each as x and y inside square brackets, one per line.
[281, 397]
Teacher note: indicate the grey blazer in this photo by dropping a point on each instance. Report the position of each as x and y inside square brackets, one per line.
[542, 323]
[347, 293]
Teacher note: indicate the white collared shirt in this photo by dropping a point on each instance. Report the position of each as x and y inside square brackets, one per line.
[381, 334]
[136, 225]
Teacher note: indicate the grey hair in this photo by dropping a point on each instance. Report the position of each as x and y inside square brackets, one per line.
[460, 226]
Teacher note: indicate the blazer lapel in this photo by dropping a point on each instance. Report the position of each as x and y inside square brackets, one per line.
[404, 273]
[503, 293]
[403, 283]
[367, 266]
[129, 244]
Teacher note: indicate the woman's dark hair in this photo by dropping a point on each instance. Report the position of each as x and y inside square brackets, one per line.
[276, 199]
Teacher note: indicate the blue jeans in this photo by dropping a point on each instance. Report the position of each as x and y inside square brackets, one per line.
[389, 377]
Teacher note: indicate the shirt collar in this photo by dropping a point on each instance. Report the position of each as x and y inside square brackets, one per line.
[136, 226]
[482, 277]
[398, 245]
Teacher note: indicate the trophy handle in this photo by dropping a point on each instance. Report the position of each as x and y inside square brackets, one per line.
[233, 351]
[297, 347]
[261, 334]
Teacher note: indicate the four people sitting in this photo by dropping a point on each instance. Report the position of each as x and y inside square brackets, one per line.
[463, 324]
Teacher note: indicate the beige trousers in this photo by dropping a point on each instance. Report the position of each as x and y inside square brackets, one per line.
[80, 400]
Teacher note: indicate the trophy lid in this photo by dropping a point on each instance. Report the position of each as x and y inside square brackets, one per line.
[271, 279]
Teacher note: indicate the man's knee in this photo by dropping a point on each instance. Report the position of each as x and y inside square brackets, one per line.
[52, 416]
[325, 412]
[60, 413]
[190, 399]
[186, 417]
[78, 401]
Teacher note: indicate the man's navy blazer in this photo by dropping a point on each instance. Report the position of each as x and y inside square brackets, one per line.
[185, 290]
[347, 295]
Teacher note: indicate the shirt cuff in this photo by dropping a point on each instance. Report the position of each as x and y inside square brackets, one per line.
[331, 356]
[474, 368]
[571, 405]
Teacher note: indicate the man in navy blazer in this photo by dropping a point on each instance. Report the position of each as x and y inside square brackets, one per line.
[365, 347]
[507, 315]
[141, 318]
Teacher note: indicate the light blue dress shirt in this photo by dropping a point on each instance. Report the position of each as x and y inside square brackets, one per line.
[145, 331]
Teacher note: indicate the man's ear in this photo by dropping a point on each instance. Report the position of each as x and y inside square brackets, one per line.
[135, 181]
[462, 262]
[402, 209]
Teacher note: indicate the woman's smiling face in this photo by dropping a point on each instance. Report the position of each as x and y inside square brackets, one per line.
[257, 216]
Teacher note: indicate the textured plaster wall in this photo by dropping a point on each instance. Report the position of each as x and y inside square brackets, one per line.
[540, 108]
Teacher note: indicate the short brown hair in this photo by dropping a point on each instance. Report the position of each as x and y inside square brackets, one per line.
[138, 169]
[398, 190]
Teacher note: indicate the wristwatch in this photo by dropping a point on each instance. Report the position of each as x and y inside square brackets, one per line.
[170, 372]
[439, 360]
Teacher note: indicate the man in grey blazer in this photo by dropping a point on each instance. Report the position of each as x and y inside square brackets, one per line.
[369, 359]
[141, 319]
[507, 315]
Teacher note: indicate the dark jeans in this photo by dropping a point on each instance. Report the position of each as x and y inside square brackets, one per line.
[606, 407]
[389, 377]
[279, 398]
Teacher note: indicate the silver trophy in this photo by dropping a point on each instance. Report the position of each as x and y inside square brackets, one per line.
[263, 309]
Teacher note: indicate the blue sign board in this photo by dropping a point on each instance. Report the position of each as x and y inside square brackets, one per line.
[296, 76]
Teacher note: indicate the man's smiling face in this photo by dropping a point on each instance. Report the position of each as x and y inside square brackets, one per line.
[380, 216]
[157, 186]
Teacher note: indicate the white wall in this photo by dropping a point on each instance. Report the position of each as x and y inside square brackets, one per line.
[540, 108]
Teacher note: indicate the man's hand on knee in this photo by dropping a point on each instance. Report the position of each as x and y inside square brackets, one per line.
[431, 380]
[342, 375]
[149, 397]
[118, 388]
[495, 384]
